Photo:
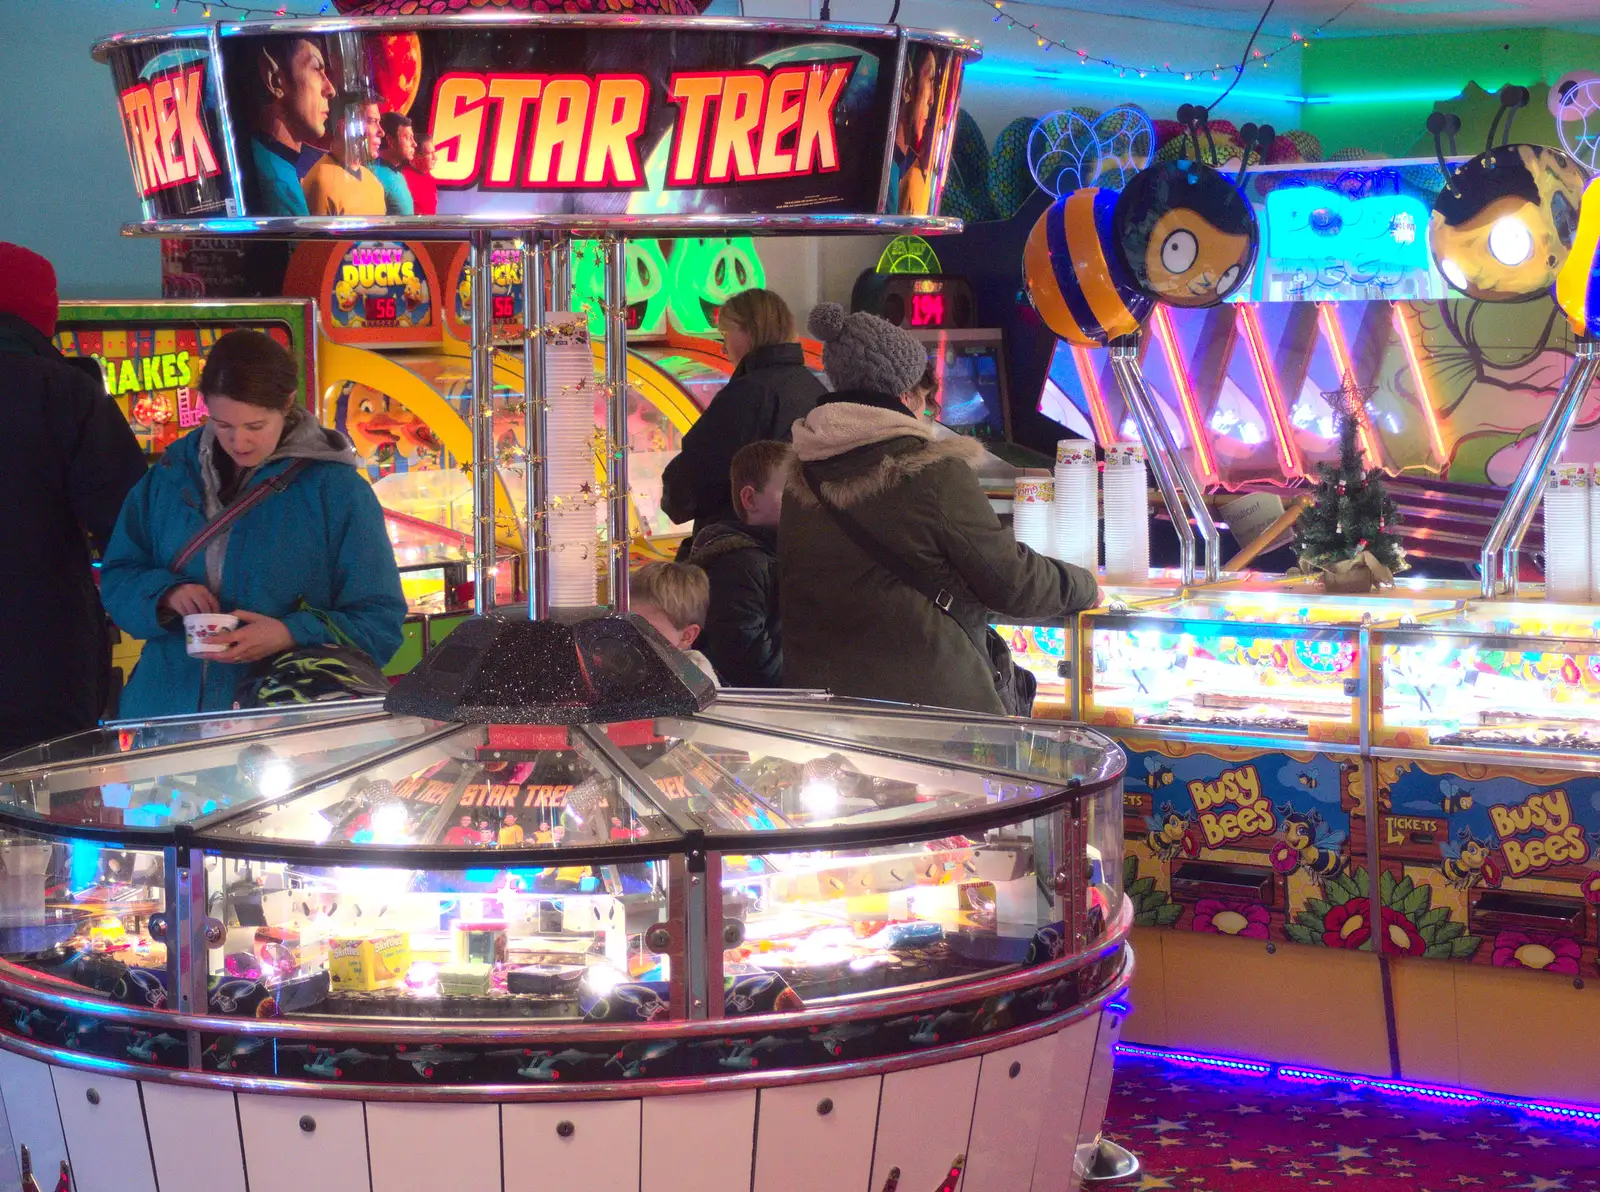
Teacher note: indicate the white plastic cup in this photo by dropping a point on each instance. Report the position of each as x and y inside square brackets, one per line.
[200, 631]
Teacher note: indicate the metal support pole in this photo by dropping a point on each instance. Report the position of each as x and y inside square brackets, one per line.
[1124, 362]
[1187, 481]
[536, 424]
[1515, 516]
[616, 258]
[561, 273]
[483, 462]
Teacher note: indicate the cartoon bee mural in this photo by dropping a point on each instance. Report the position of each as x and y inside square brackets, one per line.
[1307, 779]
[1506, 221]
[1167, 830]
[1180, 232]
[1467, 862]
[1314, 844]
[1157, 773]
[1578, 282]
[1452, 798]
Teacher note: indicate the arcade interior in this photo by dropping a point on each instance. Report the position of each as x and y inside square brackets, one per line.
[1282, 317]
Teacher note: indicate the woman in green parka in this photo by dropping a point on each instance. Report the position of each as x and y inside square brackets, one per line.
[310, 565]
[850, 624]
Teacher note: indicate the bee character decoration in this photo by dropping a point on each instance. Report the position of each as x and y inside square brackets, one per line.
[1578, 282]
[1506, 221]
[1185, 229]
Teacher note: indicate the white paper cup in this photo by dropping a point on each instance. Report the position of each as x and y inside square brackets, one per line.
[200, 631]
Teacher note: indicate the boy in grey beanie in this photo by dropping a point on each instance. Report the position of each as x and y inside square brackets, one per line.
[866, 356]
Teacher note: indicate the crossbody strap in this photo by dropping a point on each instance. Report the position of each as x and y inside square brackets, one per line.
[943, 599]
[253, 497]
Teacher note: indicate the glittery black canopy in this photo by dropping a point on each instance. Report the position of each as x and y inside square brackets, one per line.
[577, 668]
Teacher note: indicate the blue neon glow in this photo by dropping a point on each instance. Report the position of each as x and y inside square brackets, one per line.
[1084, 80]
[1559, 1110]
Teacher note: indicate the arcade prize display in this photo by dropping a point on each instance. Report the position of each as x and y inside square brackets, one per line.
[1403, 785]
[557, 910]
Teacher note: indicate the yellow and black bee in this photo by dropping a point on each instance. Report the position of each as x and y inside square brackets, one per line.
[1077, 278]
[1307, 779]
[1167, 831]
[1314, 841]
[1157, 773]
[1464, 859]
[1452, 798]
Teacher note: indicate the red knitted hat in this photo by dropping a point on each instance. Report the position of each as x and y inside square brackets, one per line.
[28, 287]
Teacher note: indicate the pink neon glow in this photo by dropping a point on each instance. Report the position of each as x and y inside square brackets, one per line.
[1341, 360]
[1288, 452]
[1558, 1110]
[1168, 336]
[1097, 400]
[1408, 341]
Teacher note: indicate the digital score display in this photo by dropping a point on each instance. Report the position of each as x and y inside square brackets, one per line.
[930, 302]
[505, 308]
[927, 310]
[381, 310]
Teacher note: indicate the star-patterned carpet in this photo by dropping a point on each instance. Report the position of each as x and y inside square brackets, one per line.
[1207, 1131]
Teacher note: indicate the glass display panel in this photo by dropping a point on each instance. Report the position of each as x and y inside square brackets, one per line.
[159, 787]
[454, 791]
[512, 941]
[1055, 752]
[1500, 676]
[80, 912]
[726, 779]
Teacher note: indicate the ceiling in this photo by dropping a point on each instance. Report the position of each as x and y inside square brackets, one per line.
[1366, 16]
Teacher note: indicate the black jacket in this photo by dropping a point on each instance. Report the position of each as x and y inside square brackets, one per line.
[742, 635]
[67, 460]
[771, 388]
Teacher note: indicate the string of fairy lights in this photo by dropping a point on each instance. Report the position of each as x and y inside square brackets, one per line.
[209, 8]
[1004, 12]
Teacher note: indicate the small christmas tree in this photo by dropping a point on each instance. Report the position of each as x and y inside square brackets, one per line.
[1353, 515]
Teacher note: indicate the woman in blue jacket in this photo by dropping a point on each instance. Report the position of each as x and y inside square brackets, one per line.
[314, 554]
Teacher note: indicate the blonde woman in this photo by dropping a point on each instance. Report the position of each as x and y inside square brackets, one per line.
[770, 390]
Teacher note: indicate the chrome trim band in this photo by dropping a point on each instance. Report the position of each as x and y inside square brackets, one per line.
[461, 227]
[610, 1091]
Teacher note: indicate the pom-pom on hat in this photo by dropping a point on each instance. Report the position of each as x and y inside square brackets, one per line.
[28, 287]
[862, 351]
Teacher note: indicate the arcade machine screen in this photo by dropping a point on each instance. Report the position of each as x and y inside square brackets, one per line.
[970, 365]
[151, 354]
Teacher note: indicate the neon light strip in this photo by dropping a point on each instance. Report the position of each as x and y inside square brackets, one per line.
[1082, 80]
[1560, 1110]
[1341, 360]
[1408, 340]
[1267, 377]
[1168, 336]
[1097, 399]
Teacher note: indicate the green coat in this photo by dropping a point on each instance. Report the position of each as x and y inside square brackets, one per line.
[851, 627]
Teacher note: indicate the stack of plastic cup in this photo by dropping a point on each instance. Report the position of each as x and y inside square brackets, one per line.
[1030, 512]
[1076, 511]
[1127, 514]
[569, 457]
[1566, 533]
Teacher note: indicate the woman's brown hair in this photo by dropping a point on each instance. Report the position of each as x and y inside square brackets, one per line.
[762, 315]
[252, 367]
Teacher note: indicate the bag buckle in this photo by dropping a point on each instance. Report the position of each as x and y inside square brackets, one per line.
[944, 600]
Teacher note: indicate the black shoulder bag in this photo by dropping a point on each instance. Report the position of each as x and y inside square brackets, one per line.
[1015, 685]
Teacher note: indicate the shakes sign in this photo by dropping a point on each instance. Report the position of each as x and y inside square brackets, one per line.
[645, 117]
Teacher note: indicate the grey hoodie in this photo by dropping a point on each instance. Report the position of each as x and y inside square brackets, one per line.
[303, 438]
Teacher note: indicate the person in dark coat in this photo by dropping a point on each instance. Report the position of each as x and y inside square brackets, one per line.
[852, 626]
[742, 634]
[770, 390]
[67, 460]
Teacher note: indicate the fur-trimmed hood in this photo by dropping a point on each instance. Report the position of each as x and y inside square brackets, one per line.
[858, 452]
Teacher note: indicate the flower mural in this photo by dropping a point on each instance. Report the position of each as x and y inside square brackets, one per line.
[1537, 950]
[1249, 920]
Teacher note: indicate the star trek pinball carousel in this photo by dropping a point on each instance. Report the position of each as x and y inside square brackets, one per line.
[558, 911]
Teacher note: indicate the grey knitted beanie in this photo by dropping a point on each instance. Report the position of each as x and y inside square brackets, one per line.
[862, 351]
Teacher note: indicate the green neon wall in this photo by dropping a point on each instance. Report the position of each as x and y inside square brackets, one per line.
[1442, 64]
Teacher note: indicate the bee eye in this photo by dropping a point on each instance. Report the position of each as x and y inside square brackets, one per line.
[1229, 279]
[1179, 250]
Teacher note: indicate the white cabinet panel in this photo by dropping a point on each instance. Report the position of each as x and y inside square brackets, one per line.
[425, 1148]
[924, 1121]
[592, 1145]
[1053, 1167]
[104, 1124]
[30, 1099]
[698, 1144]
[801, 1148]
[282, 1155]
[1098, 1094]
[1013, 1098]
[178, 1119]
